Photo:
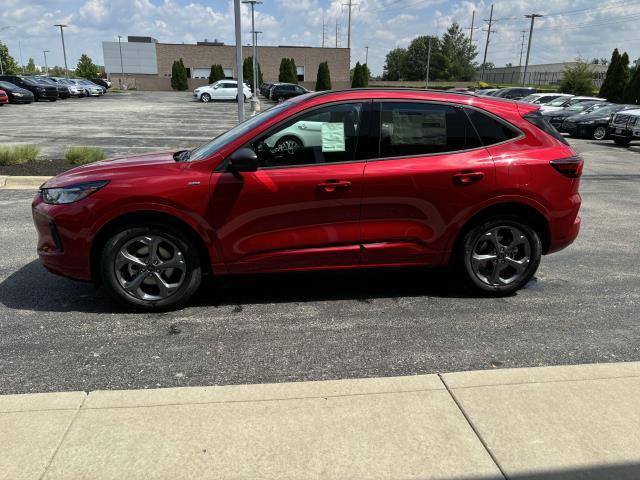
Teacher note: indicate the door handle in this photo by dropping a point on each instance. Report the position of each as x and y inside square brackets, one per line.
[333, 185]
[467, 178]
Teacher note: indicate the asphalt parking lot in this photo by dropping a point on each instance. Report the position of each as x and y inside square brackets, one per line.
[129, 123]
[583, 307]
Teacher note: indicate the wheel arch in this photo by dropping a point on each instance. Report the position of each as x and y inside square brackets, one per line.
[531, 215]
[140, 218]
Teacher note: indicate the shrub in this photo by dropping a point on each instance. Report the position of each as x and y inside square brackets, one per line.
[247, 72]
[81, 155]
[18, 154]
[359, 74]
[323, 80]
[179, 76]
[217, 73]
[577, 79]
[287, 71]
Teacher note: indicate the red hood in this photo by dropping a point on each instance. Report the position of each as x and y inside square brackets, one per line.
[112, 167]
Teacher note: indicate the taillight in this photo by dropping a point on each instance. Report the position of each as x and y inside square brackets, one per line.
[570, 167]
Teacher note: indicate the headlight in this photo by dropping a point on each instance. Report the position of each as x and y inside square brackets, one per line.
[72, 193]
[41, 89]
[18, 94]
[587, 122]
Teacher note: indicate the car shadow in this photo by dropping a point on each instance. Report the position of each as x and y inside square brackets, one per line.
[32, 287]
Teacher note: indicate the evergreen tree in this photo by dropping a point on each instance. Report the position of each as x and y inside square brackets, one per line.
[632, 90]
[86, 68]
[217, 73]
[56, 71]
[293, 71]
[577, 79]
[323, 80]
[358, 80]
[9, 65]
[457, 55]
[616, 78]
[247, 72]
[366, 74]
[283, 75]
[179, 76]
[31, 69]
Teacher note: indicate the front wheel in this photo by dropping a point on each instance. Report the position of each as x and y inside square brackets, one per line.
[205, 97]
[500, 256]
[52, 99]
[599, 133]
[150, 268]
[622, 142]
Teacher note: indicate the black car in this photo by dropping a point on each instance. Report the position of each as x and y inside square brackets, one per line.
[16, 94]
[63, 90]
[283, 91]
[557, 117]
[40, 90]
[592, 124]
[514, 93]
[101, 82]
[264, 89]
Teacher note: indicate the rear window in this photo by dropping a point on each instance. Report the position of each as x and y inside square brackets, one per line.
[537, 119]
[491, 130]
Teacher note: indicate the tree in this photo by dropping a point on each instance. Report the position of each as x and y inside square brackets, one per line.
[9, 65]
[294, 71]
[86, 68]
[31, 69]
[217, 73]
[366, 74]
[508, 64]
[358, 77]
[417, 54]
[632, 90]
[457, 55]
[395, 64]
[287, 71]
[247, 72]
[323, 80]
[616, 77]
[179, 76]
[56, 71]
[577, 79]
[487, 65]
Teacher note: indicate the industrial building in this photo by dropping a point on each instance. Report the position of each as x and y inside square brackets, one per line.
[147, 63]
[542, 74]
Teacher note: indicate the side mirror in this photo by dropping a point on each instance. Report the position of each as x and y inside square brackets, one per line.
[243, 160]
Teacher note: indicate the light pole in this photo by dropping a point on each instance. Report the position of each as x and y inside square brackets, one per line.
[46, 67]
[255, 101]
[428, 61]
[64, 50]
[121, 63]
[532, 16]
[240, 89]
[366, 57]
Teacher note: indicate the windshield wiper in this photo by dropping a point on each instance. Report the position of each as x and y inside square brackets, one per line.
[182, 155]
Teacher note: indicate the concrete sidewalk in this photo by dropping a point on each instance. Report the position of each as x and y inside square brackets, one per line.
[13, 182]
[575, 422]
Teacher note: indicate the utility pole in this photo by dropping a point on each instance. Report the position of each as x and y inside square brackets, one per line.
[21, 62]
[471, 29]
[121, 62]
[532, 16]
[428, 62]
[256, 106]
[64, 50]
[240, 89]
[522, 46]
[337, 25]
[486, 46]
[366, 56]
[350, 5]
[46, 67]
[255, 101]
[324, 29]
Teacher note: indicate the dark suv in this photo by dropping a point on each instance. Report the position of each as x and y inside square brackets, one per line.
[40, 90]
[284, 91]
[515, 93]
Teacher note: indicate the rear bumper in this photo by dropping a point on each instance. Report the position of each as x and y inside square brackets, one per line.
[565, 227]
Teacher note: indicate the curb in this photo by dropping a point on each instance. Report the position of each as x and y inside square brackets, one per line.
[8, 182]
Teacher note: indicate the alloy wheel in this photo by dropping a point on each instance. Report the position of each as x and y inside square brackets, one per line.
[150, 267]
[599, 133]
[501, 256]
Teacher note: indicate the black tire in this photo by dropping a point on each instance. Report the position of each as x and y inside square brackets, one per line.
[476, 238]
[280, 99]
[622, 142]
[190, 278]
[599, 132]
[205, 98]
[288, 139]
[52, 99]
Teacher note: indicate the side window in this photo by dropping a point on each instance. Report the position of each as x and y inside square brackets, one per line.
[491, 131]
[325, 135]
[422, 128]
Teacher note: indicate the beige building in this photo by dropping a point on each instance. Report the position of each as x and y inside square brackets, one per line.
[147, 63]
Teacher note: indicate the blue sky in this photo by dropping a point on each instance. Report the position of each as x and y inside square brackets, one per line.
[570, 28]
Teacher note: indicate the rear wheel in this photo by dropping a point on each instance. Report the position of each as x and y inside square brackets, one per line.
[623, 142]
[205, 97]
[500, 256]
[150, 268]
[599, 133]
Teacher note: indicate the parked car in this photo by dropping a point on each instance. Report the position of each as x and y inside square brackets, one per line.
[557, 117]
[432, 193]
[16, 94]
[91, 88]
[264, 89]
[283, 91]
[103, 82]
[486, 91]
[514, 93]
[560, 103]
[543, 98]
[460, 90]
[74, 89]
[221, 90]
[40, 90]
[592, 124]
[63, 90]
[625, 126]
[4, 98]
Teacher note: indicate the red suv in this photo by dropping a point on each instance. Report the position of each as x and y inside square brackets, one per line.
[331, 180]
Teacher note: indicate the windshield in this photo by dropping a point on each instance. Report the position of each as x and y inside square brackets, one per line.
[214, 145]
[605, 109]
[578, 107]
[559, 102]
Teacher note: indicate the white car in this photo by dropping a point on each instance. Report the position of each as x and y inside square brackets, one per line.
[561, 103]
[220, 90]
[543, 98]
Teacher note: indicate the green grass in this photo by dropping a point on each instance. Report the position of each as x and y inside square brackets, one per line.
[18, 154]
[81, 155]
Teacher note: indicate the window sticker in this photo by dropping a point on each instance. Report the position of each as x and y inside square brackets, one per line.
[411, 127]
[333, 137]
